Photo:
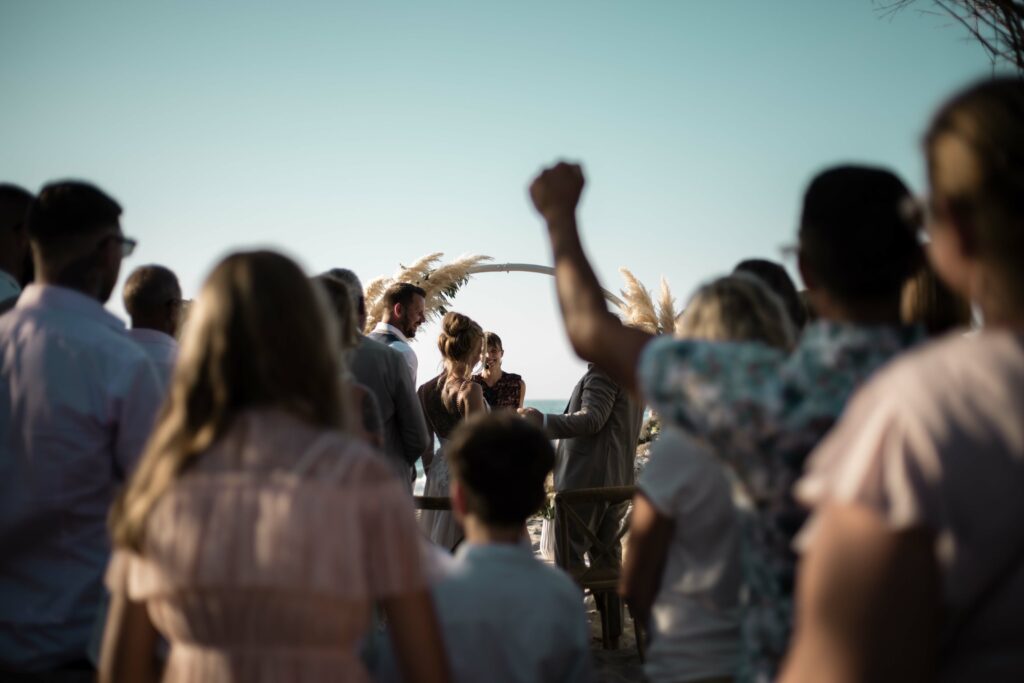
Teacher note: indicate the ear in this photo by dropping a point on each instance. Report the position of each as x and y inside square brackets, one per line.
[397, 311]
[805, 273]
[458, 496]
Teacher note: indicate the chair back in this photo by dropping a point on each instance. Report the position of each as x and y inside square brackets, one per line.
[569, 522]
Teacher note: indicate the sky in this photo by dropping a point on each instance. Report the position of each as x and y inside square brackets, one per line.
[366, 135]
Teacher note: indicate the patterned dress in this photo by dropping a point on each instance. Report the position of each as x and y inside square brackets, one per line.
[763, 411]
[506, 392]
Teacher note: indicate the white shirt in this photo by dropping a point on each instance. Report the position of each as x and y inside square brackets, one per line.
[402, 346]
[695, 616]
[506, 617]
[9, 287]
[161, 348]
[77, 402]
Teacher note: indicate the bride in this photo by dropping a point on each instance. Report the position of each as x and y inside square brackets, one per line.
[448, 399]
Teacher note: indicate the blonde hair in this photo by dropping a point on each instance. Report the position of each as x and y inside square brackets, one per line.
[737, 307]
[259, 336]
[988, 118]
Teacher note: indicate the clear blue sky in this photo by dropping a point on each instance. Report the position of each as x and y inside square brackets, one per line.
[365, 134]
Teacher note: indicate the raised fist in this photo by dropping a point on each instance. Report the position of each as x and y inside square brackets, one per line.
[556, 191]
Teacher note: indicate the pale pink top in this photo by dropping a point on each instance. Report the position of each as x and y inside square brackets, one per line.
[937, 441]
[262, 563]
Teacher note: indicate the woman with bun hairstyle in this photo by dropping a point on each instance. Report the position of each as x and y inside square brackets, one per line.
[913, 564]
[257, 534]
[448, 399]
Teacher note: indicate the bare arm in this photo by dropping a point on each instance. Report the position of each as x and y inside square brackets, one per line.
[473, 399]
[595, 334]
[416, 638]
[522, 393]
[128, 652]
[868, 602]
[649, 535]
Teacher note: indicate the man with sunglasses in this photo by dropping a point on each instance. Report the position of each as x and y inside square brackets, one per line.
[77, 401]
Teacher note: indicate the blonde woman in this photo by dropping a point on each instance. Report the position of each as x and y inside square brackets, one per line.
[682, 574]
[913, 565]
[448, 399]
[257, 535]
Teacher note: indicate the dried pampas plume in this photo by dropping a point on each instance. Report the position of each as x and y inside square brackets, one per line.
[441, 283]
[638, 307]
[666, 309]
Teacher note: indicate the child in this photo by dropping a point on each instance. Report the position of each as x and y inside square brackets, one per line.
[505, 616]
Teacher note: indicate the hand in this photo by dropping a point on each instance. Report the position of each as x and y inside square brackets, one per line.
[556, 191]
[533, 415]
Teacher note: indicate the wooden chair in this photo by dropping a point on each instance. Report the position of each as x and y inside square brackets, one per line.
[602, 582]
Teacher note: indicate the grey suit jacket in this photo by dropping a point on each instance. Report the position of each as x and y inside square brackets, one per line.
[385, 372]
[598, 435]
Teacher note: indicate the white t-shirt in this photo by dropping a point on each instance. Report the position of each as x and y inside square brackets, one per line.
[695, 617]
[161, 348]
[937, 441]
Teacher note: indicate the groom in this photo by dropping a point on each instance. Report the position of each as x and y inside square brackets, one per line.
[404, 311]
[597, 434]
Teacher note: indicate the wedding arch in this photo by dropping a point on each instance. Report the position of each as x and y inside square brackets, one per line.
[443, 281]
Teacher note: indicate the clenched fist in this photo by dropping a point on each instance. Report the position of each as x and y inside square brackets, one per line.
[556, 191]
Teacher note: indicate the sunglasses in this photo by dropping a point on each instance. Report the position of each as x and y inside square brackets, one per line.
[127, 244]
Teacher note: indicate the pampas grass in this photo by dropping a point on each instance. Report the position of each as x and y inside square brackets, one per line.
[441, 281]
[638, 308]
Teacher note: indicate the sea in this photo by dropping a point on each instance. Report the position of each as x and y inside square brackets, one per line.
[544, 405]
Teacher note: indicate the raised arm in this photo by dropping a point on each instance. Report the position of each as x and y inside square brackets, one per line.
[595, 334]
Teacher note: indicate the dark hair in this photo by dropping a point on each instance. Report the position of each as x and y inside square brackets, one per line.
[491, 339]
[402, 293]
[68, 208]
[774, 275]
[460, 337]
[14, 204]
[858, 233]
[149, 289]
[339, 297]
[501, 460]
[989, 117]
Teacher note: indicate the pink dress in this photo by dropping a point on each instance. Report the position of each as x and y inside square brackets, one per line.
[263, 562]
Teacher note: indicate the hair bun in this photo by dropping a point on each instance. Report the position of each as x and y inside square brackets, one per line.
[460, 336]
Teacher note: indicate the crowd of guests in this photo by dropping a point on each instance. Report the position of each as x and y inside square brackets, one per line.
[834, 494]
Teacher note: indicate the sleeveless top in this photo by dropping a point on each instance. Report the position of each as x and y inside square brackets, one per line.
[506, 391]
[439, 417]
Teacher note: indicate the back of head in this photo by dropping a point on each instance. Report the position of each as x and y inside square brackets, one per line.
[985, 186]
[776, 278]
[461, 339]
[501, 461]
[148, 292]
[258, 336]
[67, 210]
[736, 308]
[339, 296]
[350, 280]
[14, 204]
[858, 234]
[15, 257]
